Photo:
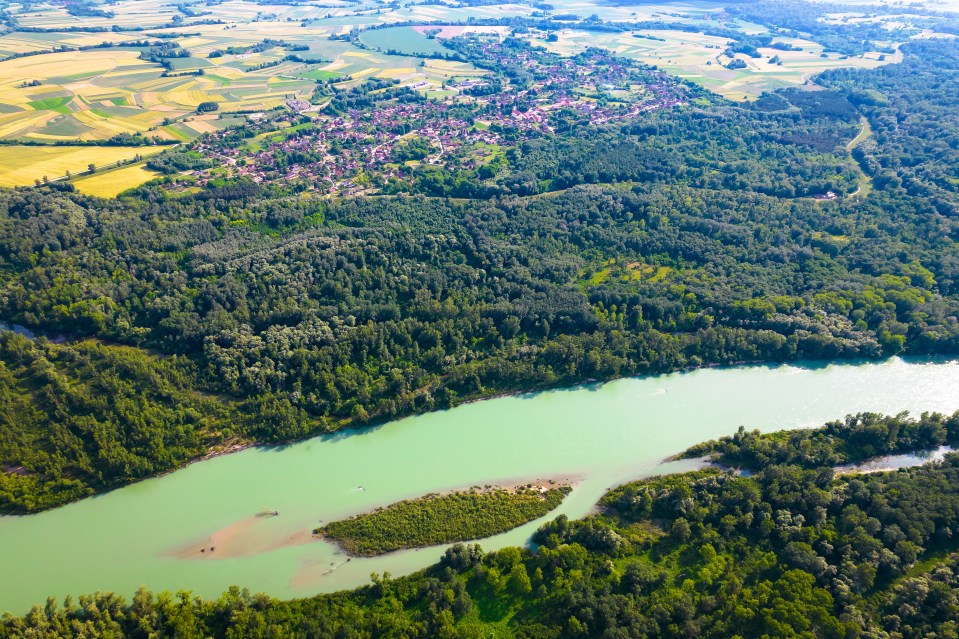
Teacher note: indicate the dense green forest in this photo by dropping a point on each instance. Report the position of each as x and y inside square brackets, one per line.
[90, 416]
[442, 519]
[791, 550]
[680, 239]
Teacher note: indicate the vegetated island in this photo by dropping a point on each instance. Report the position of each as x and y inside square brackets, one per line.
[436, 519]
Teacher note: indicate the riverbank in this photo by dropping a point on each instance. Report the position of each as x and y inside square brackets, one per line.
[242, 429]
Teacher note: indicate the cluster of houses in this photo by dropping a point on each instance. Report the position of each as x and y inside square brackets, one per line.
[353, 152]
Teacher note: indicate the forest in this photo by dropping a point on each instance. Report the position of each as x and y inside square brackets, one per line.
[86, 417]
[791, 550]
[681, 239]
[433, 520]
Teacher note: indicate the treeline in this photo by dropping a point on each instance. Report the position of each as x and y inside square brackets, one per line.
[442, 519]
[163, 52]
[175, 161]
[120, 139]
[789, 551]
[64, 48]
[260, 47]
[86, 10]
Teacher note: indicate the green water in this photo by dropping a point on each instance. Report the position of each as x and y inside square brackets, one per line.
[605, 434]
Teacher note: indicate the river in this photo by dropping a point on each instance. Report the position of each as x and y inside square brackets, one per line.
[151, 533]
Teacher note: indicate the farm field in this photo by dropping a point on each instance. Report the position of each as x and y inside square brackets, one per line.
[128, 14]
[664, 11]
[20, 42]
[113, 182]
[698, 57]
[21, 165]
[403, 40]
[96, 94]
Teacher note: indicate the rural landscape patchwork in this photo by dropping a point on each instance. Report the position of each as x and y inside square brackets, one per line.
[480, 319]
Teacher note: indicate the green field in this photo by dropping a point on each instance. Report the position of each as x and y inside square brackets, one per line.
[403, 40]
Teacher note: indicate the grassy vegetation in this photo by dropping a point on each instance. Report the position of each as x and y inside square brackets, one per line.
[865, 180]
[404, 40]
[442, 519]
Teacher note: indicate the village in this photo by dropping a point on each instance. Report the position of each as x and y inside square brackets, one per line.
[397, 131]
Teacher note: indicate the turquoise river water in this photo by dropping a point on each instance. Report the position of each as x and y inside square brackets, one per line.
[151, 533]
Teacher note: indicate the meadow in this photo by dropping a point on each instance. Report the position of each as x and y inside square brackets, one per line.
[403, 40]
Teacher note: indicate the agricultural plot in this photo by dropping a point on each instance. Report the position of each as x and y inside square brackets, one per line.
[699, 58]
[362, 65]
[403, 40]
[451, 31]
[685, 11]
[112, 183]
[21, 165]
[18, 42]
[96, 94]
[439, 13]
[136, 13]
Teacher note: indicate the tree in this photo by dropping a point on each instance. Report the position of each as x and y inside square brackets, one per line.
[519, 582]
[680, 529]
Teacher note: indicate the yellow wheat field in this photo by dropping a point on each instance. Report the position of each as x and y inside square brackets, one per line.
[111, 183]
[21, 165]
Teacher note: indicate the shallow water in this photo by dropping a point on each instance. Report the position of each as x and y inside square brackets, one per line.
[895, 462]
[151, 533]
